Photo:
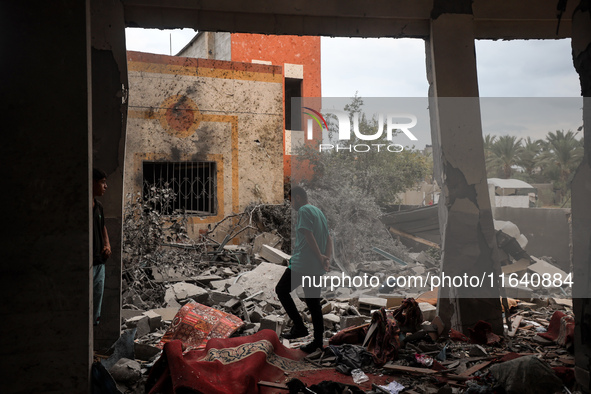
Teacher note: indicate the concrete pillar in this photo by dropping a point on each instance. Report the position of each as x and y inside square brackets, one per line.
[464, 206]
[109, 110]
[45, 268]
[581, 210]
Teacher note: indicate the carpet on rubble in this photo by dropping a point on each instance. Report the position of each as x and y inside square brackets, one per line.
[195, 324]
[224, 366]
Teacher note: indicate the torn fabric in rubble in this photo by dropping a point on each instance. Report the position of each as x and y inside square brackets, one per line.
[224, 366]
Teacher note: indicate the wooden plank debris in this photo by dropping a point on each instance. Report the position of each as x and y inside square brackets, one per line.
[403, 368]
[413, 238]
[475, 368]
[515, 325]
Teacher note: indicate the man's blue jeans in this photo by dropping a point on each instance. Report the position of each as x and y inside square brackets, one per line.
[98, 287]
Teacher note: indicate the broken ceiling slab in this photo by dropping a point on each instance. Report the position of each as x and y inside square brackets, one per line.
[274, 255]
[205, 279]
[542, 267]
[264, 278]
[517, 267]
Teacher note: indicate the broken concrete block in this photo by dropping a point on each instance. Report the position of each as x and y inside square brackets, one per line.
[429, 311]
[167, 314]
[418, 270]
[256, 315]
[272, 322]
[185, 290]
[366, 305]
[542, 267]
[170, 299]
[526, 375]
[126, 371]
[232, 304]
[273, 255]
[154, 320]
[332, 318]
[327, 308]
[269, 239]
[129, 313]
[218, 297]
[269, 308]
[237, 291]
[228, 271]
[351, 321]
[221, 285]
[141, 323]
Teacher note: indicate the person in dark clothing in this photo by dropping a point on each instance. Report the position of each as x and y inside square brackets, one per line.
[311, 257]
[101, 248]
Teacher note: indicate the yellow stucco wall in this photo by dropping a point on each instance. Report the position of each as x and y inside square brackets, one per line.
[183, 109]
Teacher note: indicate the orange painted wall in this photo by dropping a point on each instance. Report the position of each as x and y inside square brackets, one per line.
[279, 50]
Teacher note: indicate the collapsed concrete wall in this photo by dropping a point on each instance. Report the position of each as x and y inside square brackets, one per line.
[547, 231]
[209, 130]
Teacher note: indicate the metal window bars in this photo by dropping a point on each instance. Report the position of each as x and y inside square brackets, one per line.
[175, 187]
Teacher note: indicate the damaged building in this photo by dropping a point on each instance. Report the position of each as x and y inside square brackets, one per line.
[70, 113]
[207, 131]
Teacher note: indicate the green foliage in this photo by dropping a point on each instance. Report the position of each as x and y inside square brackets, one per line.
[504, 152]
[552, 160]
[381, 175]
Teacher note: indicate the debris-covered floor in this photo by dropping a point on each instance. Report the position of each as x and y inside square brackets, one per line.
[207, 320]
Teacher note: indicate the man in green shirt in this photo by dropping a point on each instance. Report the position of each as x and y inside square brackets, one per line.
[311, 258]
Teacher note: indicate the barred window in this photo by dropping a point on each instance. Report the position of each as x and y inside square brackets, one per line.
[176, 187]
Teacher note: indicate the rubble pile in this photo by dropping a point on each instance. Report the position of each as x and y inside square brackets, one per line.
[380, 339]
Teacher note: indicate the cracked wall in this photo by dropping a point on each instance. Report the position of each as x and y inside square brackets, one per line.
[230, 113]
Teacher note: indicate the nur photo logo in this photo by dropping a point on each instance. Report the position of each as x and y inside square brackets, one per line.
[390, 126]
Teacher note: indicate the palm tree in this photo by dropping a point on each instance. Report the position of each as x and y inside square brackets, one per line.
[504, 153]
[488, 141]
[528, 158]
[562, 153]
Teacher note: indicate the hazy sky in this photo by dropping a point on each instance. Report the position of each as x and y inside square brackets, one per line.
[388, 67]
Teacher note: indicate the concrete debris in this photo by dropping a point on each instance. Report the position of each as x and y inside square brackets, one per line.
[351, 321]
[542, 267]
[154, 320]
[126, 371]
[272, 322]
[428, 310]
[269, 239]
[273, 255]
[141, 323]
[241, 279]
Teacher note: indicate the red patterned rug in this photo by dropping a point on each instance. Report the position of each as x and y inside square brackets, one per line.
[195, 324]
[228, 366]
